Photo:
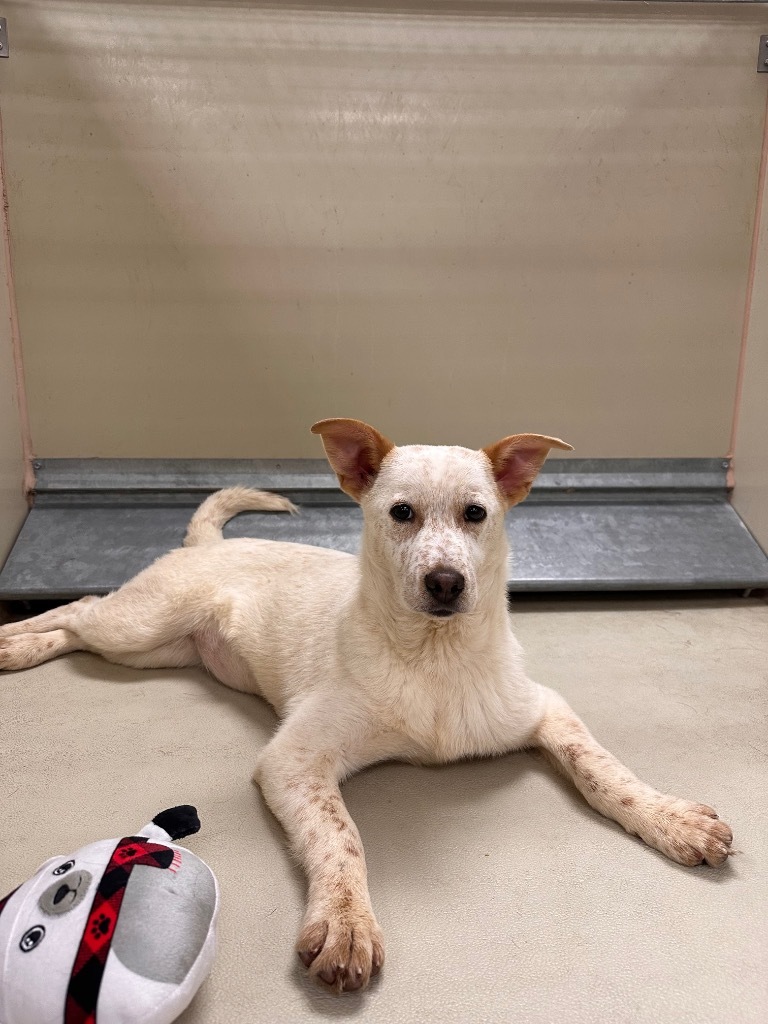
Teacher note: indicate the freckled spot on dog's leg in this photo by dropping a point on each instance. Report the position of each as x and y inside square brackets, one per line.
[343, 901]
[591, 780]
[628, 801]
[573, 751]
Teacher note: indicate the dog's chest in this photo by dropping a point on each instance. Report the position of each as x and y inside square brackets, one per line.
[464, 713]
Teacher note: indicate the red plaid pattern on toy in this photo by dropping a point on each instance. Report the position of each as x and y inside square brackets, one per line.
[88, 969]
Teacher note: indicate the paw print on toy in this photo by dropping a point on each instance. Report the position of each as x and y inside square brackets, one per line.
[101, 926]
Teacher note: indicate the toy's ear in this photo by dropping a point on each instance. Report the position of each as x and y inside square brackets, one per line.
[516, 461]
[355, 452]
[175, 823]
[5, 899]
[46, 864]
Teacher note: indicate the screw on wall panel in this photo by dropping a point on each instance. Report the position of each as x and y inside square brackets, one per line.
[37, 465]
[725, 463]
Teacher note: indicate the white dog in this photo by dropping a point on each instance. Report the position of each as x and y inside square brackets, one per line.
[403, 653]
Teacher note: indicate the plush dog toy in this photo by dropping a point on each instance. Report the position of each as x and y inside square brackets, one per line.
[120, 932]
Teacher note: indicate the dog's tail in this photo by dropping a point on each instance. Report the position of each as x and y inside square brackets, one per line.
[206, 524]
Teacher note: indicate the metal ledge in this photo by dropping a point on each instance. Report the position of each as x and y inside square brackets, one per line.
[589, 524]
[310, 481]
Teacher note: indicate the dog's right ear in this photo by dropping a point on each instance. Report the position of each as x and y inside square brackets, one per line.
[355, 452]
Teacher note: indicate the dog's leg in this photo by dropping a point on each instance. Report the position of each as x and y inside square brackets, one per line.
[25, 650]
[148, 623]
[31, 642]
[56, 618]
[299, 771]
[179, 654]
[688, 833]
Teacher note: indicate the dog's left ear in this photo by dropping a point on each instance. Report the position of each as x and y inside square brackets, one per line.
[516, 461]
[355, 452]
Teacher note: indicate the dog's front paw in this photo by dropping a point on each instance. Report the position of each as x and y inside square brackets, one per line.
[342, 945]
[688, 833]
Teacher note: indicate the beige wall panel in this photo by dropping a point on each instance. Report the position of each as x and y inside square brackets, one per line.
[750, 495]
[233, 219]
[13, 507]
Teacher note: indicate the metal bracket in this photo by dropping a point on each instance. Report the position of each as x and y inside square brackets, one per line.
[762, 56]
[4, 52]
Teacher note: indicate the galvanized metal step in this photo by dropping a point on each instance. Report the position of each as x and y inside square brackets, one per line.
[588, 525]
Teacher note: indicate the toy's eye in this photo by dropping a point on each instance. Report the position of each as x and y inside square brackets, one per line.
[64, 868]
[401, 512]
[32, 937]
[475, 513]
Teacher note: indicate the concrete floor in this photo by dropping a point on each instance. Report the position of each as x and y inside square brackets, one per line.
[501, 895]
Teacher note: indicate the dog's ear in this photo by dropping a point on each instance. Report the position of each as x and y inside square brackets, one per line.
[355, 451]
[516, 461]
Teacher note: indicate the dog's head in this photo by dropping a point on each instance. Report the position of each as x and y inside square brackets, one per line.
[434, 516]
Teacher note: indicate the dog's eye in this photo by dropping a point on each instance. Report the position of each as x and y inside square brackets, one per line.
[474, 513]
[64, 868]
[401, 512]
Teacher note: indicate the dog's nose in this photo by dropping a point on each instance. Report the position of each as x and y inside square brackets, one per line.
[444, 585]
